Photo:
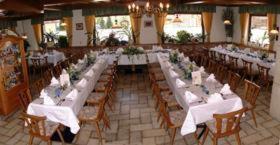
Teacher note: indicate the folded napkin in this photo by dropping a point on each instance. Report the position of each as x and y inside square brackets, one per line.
[201, 69]
[81, 84]
[80, 61]
[196, 78]
[90, 73]
[47, 100]
[72, 95]
[181, 55]
[226, 90]
[190, 97]
[186, 59]
[216, 97]
[54, 82]
[120, 50]
[74, 66]
[64, 78]
[211, 78]
[173, 74]
[180, 83]
[168, 64]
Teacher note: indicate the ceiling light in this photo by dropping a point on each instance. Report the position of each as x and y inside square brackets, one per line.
[227, 22]
[274, 32]
[177, 19]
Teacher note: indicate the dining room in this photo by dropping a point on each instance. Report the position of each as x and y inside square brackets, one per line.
[139, 72]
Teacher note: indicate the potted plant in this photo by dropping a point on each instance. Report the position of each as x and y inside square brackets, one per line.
[62, 41]
[183, 37]
[228, 19]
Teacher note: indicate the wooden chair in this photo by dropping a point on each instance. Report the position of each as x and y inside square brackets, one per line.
[38, 86]
[39, 64]
[172, 119]
[251, 93]
[222, 58]
[233, 80]
[212, 66]
[264, 78]
[25, 99]
[247, 70]
[204, 61]
[224, 125]
[233, 64]
[41, 128]
[47, 76]
[57, 70]
[94, 114]
[221, 72]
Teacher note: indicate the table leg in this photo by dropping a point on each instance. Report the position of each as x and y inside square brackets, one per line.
[203, 126]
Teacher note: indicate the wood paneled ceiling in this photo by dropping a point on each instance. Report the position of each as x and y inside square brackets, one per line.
[14, 9]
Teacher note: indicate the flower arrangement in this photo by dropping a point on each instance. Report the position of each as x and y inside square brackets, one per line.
[173, 56]
[132, 50]
[263, 55]
[91, 57]
[73, 73]
[188, 72]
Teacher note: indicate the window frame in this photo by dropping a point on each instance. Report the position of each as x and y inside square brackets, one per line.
[250, 24]
[42, 26]
[202, 26]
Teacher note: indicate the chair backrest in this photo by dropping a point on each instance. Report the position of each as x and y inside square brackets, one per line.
[222, 58]
[204, 61]
[221, 72]
[57, 70]
[212, 66]
[24, 98]
[35, 124]
[233, 80]
[39, 85]
[252, 91]
[263, 72]
[233, 64]
[47, 76]
[247, 66]
[227, 124]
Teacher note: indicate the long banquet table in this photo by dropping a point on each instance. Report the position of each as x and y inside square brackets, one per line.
[251, 57]
[66, 112]
[200, 111]
[52, 57]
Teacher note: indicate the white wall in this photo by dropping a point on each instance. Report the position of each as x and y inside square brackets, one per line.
[218, 33]
[79, 37]
[148, 35]
[28, 29]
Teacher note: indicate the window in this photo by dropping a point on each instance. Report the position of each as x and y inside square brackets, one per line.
[118, 25]
[258, 32]
[53, 29]
[189, 22]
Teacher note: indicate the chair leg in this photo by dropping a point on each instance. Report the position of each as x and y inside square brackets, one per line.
[31, 139]
[49, 142]
[237, 137]
[98, 131]
[254, 117]
[60, 136]
[205, 136]
[173, 136]
[215, 141]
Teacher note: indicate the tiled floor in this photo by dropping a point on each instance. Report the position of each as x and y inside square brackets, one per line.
[134, 122]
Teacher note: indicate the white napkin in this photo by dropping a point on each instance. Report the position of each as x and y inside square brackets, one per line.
[74, 66]
[180, 83]
[201, 69]
[120, 50]
[168, 64]
[64, 78]
[80, 61]
[81, 84]
[186, 59]
[211, 78]
[54, 82]
[216, 97]
[72, 95]
[226, 90]
[190, 97]
[90, 73]
[173, 74]
[181, 56]
[47, 100]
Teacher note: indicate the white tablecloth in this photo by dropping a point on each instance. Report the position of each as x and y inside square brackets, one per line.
[66, 113]
[52, 58]
[198, 112]
[244, 56]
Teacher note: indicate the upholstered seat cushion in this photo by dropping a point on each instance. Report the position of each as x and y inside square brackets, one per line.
[247, 104]
[163, 85]
[169, 98]
[100, 86]
[108, 72]
[159, 77]
[88, 113]
[156, 70]
[95, 97]
[154, 65]
[212, 126]
[50, 128]
[104, 78]
[177, 117]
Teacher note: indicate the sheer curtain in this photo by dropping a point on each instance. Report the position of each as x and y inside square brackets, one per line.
[38, 32]
[160, 21]
[271, 22]
[68, 27]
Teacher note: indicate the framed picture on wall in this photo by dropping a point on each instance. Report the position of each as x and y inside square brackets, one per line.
[79, 26]
[148, 23]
